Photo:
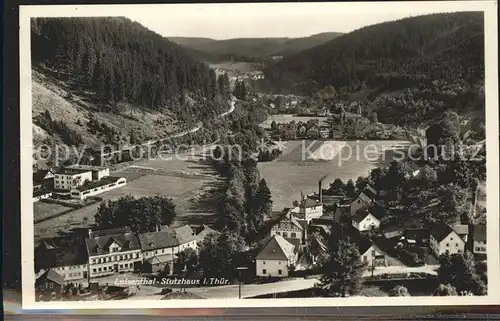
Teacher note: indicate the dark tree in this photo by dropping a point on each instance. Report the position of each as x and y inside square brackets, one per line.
[341, 267]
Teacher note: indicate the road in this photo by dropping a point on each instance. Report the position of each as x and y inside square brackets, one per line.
[251, 290]
[429, 269]
[184, 133]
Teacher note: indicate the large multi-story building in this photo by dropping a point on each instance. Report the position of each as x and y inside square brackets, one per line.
[70, 178]
[98, 172]
[113, 251]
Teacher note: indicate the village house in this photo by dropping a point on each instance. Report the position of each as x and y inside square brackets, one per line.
[365, 220]
[43, 179]
[66, 256]
[462, 230]
[369, 252]
[67, 178]
[289, 228]
[49, 286]
[479, 237]
[309, 209]
[159, 249]
[364, 200]
[113, 251]
[205, 231]
[444, 239]
[275, 258]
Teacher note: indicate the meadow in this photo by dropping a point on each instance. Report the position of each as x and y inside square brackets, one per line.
[187, 181]
[303, 163]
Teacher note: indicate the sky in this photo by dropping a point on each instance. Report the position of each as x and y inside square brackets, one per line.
[224, 21]
[258, 20]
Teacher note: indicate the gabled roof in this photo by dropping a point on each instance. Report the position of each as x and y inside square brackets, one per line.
[377, 211]
[369, 192]
[308, 202]
[441, 231]
[159, 259]
[362, 242]
[184, 234]
[292, 219]
[360, 215]
[275, 249]
[480, 233]
[112, 231]
[60, 252]
[51, 275]
[158, 240]
[461, 229]
[295, 242]
[102, 242]
[40, 175]
[206, 231]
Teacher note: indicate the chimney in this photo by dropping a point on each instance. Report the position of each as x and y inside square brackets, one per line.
[320, 192]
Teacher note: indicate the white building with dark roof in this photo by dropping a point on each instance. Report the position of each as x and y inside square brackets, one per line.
[364, 200]
[113, 253]
[444, 239]
[275, 258]
[309, 209]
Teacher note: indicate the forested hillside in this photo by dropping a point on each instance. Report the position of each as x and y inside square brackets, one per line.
[248, 49]
[115, 60]
[436, 59]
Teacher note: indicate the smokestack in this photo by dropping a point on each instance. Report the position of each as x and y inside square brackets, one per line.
[320, 187]
[320, 192]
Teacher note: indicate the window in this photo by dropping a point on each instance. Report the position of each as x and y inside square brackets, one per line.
[51, 285]
[365, 258]
[374, 253]
[451, 238]
[280, 271]
[264, 262]
[53, 295]
[100, 269]
[294, 235]
[264, 271]
[41, 287]
[447, 244]
[94, 270]
[456, 244]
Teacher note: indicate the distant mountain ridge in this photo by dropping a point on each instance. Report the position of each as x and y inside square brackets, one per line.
[394, 47]
[252, 47]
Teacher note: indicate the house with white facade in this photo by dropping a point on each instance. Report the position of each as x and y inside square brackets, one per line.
[444, 239]
[113, 251]
[275, 258]
[98, 172]
[289, 227]
[67, 178]
[309, 209]
[479, 237]
[364, 220]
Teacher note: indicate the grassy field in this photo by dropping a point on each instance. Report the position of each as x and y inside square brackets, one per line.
[42, 210]
[187, 181]
[296, 171]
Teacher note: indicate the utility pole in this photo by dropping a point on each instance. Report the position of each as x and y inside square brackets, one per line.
[240, 268]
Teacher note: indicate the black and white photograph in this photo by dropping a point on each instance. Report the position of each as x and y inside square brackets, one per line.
[259, 154]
